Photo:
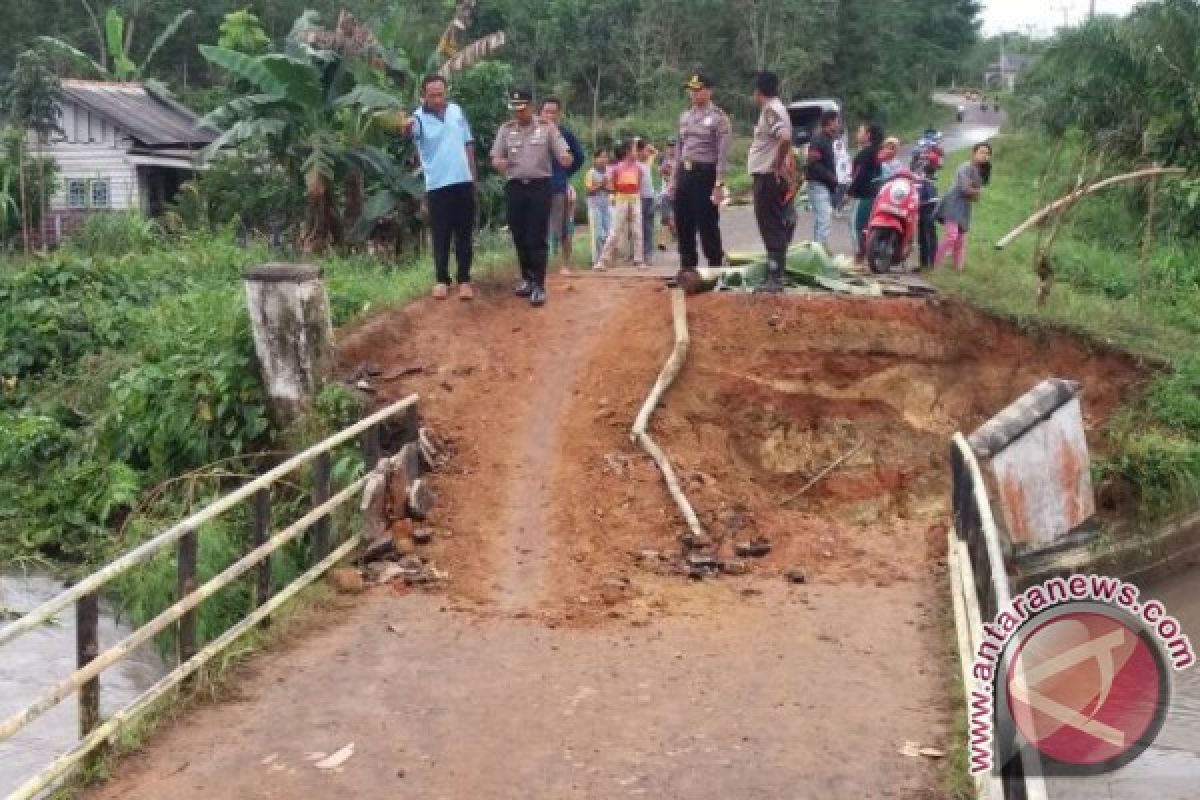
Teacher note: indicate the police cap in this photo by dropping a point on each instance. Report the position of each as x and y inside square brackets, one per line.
[519, 98]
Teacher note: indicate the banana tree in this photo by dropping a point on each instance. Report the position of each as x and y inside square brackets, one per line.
[315, 120]
[119, 64]
[396, 189]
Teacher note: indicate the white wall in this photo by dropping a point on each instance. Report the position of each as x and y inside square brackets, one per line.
[93, 149]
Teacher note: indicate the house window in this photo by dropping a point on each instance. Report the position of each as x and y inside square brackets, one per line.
[100, 194]
[76, 193]
[84, 193]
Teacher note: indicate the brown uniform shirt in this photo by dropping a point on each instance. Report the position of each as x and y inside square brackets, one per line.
[773, 124]
[704, 138]
[529, 149]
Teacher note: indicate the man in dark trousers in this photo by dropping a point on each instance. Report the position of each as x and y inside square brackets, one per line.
[698, 176]
[821, 173]
[772, 165]
[524, 152]
[560, 226]
[447, 149]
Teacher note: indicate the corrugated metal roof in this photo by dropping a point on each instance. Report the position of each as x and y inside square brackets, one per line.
[152, 120]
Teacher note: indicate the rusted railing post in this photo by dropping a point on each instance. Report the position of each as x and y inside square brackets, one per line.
[322, 486]
[87, 647]
[262, 531]
[370, 446]
[185, 563]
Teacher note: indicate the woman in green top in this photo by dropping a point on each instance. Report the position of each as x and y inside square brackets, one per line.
[955, 210]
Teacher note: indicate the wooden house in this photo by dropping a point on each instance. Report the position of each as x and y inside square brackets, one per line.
[122, 147]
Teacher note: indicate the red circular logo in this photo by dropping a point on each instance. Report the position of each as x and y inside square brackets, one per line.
[1087, 689]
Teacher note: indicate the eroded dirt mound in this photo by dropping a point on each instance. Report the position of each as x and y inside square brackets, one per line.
[777, 391]
[549, 509]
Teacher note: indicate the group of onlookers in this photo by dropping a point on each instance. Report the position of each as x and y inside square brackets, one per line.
[625, 201]
[684, 187]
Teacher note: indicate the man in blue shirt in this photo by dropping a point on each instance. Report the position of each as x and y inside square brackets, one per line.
[447, 149]
[562, 227]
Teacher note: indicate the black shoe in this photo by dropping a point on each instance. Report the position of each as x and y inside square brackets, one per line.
[772, 285]
[537, 297]
[688, 279]
[524, 289]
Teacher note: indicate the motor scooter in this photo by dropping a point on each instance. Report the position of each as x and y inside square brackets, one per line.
[892, 228]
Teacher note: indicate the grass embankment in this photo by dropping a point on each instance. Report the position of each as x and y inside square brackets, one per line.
[129, 396]
[1153, 445]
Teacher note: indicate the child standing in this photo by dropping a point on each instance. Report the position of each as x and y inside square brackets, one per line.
[666, 171]
[646, 154]
[927, 239]
[599, 203]
[889, 157]
[627, 208]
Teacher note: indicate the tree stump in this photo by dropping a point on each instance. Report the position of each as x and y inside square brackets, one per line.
[293, 334]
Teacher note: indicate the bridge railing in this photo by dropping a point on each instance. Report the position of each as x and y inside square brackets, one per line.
[84, 595]
[980, 590]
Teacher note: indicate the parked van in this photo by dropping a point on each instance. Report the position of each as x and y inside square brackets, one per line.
[806, 115]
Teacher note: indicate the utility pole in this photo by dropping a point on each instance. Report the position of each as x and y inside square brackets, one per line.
[1064, 9]
[1092, 10]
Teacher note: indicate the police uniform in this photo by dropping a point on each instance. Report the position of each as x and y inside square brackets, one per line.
[530, 150]
[774, 210]
[700, 165]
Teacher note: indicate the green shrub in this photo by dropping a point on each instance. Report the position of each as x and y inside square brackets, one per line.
[1174, 399]
[60, 309]
[1164, 468]
[190, 408]
[116, 234]
[221, 197]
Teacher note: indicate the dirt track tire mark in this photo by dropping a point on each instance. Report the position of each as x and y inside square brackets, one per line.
[525, 520]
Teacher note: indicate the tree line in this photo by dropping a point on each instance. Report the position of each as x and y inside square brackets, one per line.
[606, 56]
[1128, 88]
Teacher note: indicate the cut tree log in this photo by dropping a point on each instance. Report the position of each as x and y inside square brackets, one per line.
[669, 372]
[1154, 172]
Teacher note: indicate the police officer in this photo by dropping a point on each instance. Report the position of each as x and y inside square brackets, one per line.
[522, 152]
[773, 168]
[698, 181]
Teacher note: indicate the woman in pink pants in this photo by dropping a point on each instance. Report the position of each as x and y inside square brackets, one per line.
[955, 210]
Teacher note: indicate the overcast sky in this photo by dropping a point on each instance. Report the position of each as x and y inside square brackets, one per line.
[1043, 15]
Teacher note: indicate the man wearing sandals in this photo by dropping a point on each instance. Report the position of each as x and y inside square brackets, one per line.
[447, 149]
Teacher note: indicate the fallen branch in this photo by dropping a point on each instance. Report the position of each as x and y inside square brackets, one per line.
[1079, 193]
[669, 372]
[821, 475]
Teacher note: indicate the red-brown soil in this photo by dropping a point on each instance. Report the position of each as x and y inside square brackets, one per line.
[551, 509]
